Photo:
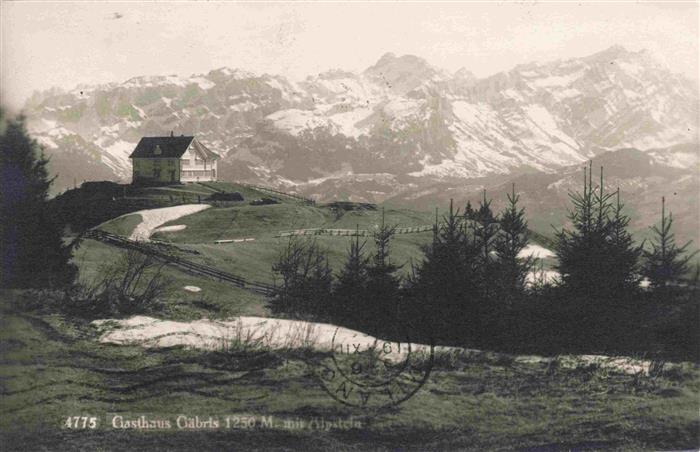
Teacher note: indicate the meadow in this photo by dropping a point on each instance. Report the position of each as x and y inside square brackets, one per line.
[54, 367]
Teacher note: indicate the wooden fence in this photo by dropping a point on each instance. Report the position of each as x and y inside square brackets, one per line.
[351, 232]
[272, 191]
[156, 251]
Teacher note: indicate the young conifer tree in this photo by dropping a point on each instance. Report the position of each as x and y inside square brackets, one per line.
[623, 268]
[351, 288]
[288, 267]
[666, 263]
[597, 259]
[485, 231]
[381, 304]
[513, 236]
[445, 281]
[305, 289]
[31, 246]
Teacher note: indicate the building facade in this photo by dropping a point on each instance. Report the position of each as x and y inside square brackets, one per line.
[169, 160]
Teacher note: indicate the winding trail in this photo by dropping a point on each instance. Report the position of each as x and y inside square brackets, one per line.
[151, 219]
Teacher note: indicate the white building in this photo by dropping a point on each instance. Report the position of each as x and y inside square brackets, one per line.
[172, 160]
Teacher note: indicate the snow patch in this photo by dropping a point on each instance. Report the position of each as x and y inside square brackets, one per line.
[142, 114]
[403, 107]
[682, 160]
[275, 334]
[536, 251]
[202, 82]
[544, 119]
[443, 169]
[173, 228]
[243, 106]
[119, 151]
[47, 142]
[294, 120]
[568, 93]
[208, 334]
[542, 277]
[347, 121]
[557, 80]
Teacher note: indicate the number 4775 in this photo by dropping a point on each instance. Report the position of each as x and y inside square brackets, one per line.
[77, 422]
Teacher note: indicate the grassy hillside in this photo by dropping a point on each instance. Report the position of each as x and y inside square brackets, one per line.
[216, 300]
[54, 368]
[96, 202]
[253, 259]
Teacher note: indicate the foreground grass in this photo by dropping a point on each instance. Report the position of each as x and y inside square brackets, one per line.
[53, 368]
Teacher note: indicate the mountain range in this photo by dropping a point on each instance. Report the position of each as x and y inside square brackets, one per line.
[400, 131]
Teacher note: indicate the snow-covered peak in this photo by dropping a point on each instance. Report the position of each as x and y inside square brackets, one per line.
[231, 73]
[403, 74]
[401, 115]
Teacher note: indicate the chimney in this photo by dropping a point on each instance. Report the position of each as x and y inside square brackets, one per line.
[172, 133]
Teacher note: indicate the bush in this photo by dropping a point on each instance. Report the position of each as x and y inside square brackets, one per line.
[264, 201]
[305, 289]
[129, 286]
[226, 196]
[105, 188]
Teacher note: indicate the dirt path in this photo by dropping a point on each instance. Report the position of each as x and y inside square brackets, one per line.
[151, 219]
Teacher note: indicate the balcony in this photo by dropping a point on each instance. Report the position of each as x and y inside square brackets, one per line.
[197, 175]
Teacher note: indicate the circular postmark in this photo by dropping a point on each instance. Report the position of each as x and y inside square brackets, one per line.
[365, 372]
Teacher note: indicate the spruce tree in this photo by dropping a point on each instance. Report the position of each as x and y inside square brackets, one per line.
[469, 211]
[320, 286]
[623, 256]
[351, 288]
[513, 236]
[305, 291]
[444, 286]
[665, 264]
[581, 251]
[485, 231]
[33, 252]
[380, 311]
[597, 259]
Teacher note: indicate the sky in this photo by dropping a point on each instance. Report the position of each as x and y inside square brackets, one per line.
[64, 44]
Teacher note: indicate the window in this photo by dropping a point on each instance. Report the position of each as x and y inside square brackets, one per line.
[156, 162]
[171, 162]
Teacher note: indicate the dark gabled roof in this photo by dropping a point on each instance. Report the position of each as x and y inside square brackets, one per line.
[170, 147]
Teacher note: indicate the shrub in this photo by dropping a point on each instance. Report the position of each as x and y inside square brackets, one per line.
[131, 285]
[264, 201]
[226, 196]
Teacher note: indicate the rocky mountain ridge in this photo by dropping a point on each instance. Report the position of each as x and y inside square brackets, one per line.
[401, 123]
